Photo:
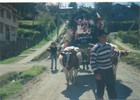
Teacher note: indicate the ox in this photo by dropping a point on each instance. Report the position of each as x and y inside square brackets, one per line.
[70, 59]
[115, 60]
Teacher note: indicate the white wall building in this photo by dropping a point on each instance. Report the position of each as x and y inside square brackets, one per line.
[8, 23]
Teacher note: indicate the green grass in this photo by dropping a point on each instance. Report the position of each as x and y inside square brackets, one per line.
[10, 87]
[34, 71]
[6, 78]
[26, 30]
[11, 60]
[133, 59]
[28, 51]
[132, 46]
[44, 41]
[27, 22]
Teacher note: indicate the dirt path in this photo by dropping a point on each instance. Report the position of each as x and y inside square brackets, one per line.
[26, 63]
[51, 86]
[124, 46]
[40, 50]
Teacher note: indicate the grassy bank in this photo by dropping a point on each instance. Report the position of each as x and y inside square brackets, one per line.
[28, 51]
[133, 59]
[46, 54]
[130, 45]
[130, 38]
[45, 40]
[12, 83]
[11, 60]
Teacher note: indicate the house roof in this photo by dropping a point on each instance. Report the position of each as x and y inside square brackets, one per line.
[7, 7]
[120, 5]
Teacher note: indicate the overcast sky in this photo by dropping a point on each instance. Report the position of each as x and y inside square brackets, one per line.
[87, 4]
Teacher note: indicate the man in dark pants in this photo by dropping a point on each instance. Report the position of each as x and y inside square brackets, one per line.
[102, 66]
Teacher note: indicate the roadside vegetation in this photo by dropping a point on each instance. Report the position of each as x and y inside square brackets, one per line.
[133, 59]
[131, 38]
[14, 82]
[11, 60]
[28, 51]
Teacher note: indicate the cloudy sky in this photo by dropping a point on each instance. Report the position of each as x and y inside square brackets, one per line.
[92, 5]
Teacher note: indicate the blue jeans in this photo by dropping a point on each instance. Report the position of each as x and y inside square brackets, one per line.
[53, 61]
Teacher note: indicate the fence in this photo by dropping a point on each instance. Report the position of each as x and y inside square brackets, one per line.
[8, 48]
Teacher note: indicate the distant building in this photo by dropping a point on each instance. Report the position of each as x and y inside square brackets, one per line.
[122, 12]
[8, 23]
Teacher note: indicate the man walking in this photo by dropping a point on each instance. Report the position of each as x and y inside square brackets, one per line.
[102, 66]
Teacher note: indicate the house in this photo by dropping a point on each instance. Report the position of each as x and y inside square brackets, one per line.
[8, 23]
[122, 12]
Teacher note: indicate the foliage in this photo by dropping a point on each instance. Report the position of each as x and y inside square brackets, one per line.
[6, 78]
[133, 59]
[25, 10]
[46, 22]
[28, 22]
[73, 4]
[27, 33]
[10, 89]
[104, 8]
[29, 10]
[134, 7]
[131, 37]
[53, 8]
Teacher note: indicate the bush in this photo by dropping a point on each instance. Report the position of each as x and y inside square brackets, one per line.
[27, 33]
[6, 78]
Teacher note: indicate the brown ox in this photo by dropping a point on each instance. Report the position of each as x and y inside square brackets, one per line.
[70, 59]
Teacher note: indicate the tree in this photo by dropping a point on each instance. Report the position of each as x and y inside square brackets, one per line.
[135, 8]
[41, 7]
[73, 4]
[104, 8]
[25, 10]
[53, 8]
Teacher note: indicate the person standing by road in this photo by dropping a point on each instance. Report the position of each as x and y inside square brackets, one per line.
[102, 66]
[53, 50]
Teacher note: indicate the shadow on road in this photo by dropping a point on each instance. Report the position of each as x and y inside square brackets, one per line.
[83, 83]
[87, 82]
[85, 71]
[123, 91]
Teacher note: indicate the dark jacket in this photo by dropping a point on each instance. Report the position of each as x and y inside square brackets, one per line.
[53, 50]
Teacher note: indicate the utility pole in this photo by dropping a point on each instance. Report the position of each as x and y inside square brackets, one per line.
[57, 25]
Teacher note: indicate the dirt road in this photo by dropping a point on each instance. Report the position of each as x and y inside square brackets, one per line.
[51, 86]
[124, 46]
